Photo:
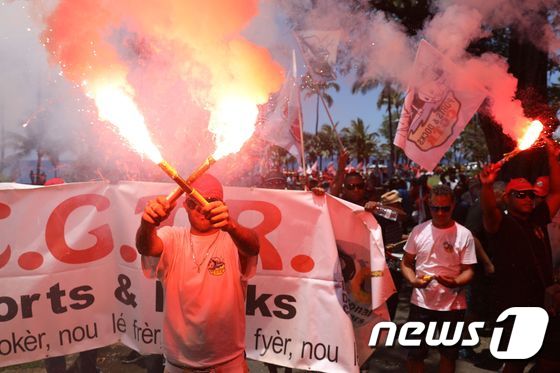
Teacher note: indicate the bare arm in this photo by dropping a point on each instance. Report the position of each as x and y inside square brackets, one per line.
[336, 186]
[462, 279]
[409, 272]
[483, 257]
[246, 240]
[491, 214]
[147, 241]
[553, 198]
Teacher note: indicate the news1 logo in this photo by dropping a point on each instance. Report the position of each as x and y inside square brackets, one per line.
[527, 334]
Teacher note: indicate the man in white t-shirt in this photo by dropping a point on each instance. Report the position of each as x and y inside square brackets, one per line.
[204, 270]
[438, 260]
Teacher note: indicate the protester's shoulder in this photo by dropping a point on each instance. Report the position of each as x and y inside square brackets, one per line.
[421, 227]
[461, 229]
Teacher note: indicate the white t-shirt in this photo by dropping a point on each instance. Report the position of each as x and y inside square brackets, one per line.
[440, 252]
[204, 314]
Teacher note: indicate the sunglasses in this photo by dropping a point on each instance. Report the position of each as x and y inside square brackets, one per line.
[354, 186]
[440, 208]
[521, 194]
[193, 204]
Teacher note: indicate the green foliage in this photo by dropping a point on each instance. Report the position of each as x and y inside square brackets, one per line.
[319, 89]
[35, 139]
[359, 141]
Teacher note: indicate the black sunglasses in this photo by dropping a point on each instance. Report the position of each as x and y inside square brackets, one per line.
[440, 208]
[354, 186]
[192, 204]
[520, 194]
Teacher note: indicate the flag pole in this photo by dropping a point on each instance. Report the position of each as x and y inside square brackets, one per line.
[300, 117]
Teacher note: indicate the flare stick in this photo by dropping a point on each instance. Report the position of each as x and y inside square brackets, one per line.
[184, 186]
[175, 194]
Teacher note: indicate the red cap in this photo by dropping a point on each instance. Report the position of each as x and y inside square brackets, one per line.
[209, 186]
[519, 184]
[541, 186]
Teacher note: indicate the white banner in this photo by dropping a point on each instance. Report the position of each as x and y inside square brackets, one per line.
[71, 278]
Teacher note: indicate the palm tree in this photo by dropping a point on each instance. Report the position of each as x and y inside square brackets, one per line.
[359, 141]
[388, 97]
[328, 140]
[311, 87]
[311, 147]
[34, 139]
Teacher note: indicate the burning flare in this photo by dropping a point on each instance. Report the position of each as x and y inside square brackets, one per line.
[531, 135]
[232, 122]
[116, 105]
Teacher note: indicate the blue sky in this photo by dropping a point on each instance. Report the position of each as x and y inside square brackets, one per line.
[346, 107]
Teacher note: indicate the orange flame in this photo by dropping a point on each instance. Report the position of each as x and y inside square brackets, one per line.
[116, 105]
[531, 135]
[232, 122]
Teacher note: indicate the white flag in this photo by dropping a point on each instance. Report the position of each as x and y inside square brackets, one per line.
[281, 125]
[438, 105]
[319, 49]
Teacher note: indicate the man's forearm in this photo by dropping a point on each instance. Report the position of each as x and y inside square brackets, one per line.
[408, 273]
[487, 197]
[481, 255]
[147, 240]
[246, 240]
[465, 277]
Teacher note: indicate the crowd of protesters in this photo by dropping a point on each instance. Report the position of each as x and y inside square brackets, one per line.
[496, 231]
[463, 243]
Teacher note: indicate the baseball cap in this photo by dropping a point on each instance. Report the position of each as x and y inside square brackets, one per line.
[519, 184]
[391, 197]
[209, 186]
[541, 186]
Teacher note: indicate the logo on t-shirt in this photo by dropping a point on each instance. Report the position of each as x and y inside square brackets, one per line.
[448, 247]
[216, 266]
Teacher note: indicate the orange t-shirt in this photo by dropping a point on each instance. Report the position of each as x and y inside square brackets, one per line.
[204, 315]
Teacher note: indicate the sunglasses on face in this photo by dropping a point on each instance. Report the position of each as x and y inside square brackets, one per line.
[354, 186]
[440, 208]
[192, 204]
[521, 194]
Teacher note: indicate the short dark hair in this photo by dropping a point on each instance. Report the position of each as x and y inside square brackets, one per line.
[442, 190]
[354, 174]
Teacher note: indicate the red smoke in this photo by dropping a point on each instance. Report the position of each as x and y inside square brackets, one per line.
[177, 58]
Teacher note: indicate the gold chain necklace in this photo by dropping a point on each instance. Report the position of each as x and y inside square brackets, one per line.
[197, 265]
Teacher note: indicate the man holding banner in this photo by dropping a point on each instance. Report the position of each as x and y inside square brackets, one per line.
[204, 270]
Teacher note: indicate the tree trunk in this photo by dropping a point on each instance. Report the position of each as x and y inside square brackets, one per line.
[391, 145]
[38, 167]
[317, 113]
